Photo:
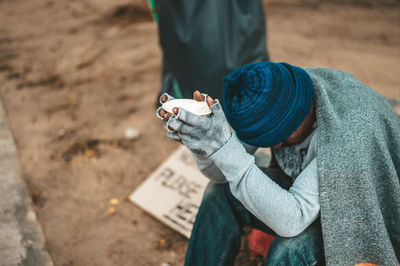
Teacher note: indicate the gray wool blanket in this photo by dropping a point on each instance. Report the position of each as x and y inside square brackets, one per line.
[358, 169]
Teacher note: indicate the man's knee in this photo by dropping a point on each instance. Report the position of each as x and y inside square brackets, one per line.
[214, 190]
[304, 249]
[215, 196]
[219, 198]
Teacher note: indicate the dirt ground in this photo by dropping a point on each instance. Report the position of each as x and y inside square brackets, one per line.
[74, 75]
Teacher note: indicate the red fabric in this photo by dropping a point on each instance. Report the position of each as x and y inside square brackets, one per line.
[259, 242]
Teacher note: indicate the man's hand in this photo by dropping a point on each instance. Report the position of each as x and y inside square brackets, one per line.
[203, 135]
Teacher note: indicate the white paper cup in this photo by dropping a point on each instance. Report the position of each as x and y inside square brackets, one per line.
[193, 106]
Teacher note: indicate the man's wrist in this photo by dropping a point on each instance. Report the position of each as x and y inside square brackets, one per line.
[232, 159]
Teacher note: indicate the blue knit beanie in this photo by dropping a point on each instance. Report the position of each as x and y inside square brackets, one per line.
[266, 102]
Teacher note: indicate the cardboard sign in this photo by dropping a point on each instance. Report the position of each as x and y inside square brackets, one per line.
[173, 192]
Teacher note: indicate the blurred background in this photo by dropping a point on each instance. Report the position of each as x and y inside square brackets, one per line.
[79, 81]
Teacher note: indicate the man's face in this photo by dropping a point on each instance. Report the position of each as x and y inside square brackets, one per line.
[302, 132]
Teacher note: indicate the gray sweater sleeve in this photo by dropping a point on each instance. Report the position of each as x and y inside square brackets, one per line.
[210, 170]
[288, 213]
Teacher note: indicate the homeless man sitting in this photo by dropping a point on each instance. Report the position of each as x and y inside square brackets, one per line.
[331, 194]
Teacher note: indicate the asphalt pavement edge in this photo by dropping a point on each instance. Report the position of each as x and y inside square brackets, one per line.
[21, 236]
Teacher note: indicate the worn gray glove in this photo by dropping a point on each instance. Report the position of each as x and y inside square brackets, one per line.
[203, 135]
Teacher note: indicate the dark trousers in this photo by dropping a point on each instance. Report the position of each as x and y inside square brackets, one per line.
[216, 234]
